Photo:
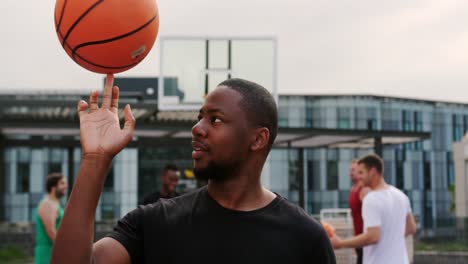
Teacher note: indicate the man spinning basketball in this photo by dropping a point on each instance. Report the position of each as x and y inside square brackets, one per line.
[233, 219]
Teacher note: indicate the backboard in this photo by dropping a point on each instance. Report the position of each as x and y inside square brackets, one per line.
[190, 67]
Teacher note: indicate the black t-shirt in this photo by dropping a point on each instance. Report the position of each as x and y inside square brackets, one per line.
[194, 228]
[155, 196]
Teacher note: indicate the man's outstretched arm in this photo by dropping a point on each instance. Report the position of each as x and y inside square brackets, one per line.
[101, 139]
[371, 236]
[48, 214]
[410, 227]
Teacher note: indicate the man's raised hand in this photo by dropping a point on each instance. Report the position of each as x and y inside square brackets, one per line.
[100, 131]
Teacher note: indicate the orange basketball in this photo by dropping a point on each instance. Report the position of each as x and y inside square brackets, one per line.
[329, 229]
[107, 36]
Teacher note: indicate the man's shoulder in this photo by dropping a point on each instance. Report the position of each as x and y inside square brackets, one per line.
[150, 198]
[303, 226]
[177, 204]
[295, 214]
[370, 195]
[292, 209]
[400, 195]
[186, 198]
[46, 204]
[396, 191]
[371, 198]
[376, 197]
[396, 194]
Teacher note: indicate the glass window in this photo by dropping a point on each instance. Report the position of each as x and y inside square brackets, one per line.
[399, 169]
[450, 172]
[418, 125]
[406, 120]
[451, 178]
[360, 118]
[316, 113]
[283, 116]
[23, 171]
[108, 206]
[344, 118]
[296, 177]
[388, 171]
[309, 117]
[465, 124]
[400, 155]
[313, 171]
[24, 154]
[457, 127]
[332, 175]
[55, 155]
[386, 118]
[109, 182]
[407, 126]
[343, 123]
[54, 167]
[417, 145]
[427, 170]
[371, 118]
[415, 175]
[399, 175]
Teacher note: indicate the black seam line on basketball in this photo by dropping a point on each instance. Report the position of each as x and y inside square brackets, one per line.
[79, 19]
[112, 39]
[95, 64]
[105, 67]
[57, 26]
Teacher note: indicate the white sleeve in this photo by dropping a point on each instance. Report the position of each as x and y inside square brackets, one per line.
[371, 212]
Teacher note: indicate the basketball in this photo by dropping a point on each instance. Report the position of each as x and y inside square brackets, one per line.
[329, 229]
[107, 36]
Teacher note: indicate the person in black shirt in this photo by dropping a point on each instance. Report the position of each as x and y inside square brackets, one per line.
[233, 219]
[197, 229]
[169, 179]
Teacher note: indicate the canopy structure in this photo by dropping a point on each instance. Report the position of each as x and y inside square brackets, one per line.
[51, 120]
[345, 138]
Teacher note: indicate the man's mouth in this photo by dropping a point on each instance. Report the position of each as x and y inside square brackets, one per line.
[198, 149]
[198, 146]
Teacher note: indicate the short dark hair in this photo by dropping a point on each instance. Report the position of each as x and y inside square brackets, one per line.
[373, 161]
[52, 180]
[170, 166]
[258, 104]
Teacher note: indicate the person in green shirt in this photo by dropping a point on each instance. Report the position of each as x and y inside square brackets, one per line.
[48, 217]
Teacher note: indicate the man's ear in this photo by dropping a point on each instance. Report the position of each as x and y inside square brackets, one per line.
[260, 139]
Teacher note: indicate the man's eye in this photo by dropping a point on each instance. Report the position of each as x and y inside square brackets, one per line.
[216, 120]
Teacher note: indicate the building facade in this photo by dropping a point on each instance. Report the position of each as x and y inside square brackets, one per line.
[423, 170]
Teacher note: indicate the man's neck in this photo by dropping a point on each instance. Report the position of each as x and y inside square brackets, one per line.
[163, 192]
[379, 184]
[52, 197]
[241, 193]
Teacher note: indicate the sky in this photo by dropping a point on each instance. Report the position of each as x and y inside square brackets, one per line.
[416, 49]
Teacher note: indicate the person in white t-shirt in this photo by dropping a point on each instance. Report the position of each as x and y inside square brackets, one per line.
[387, 217]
